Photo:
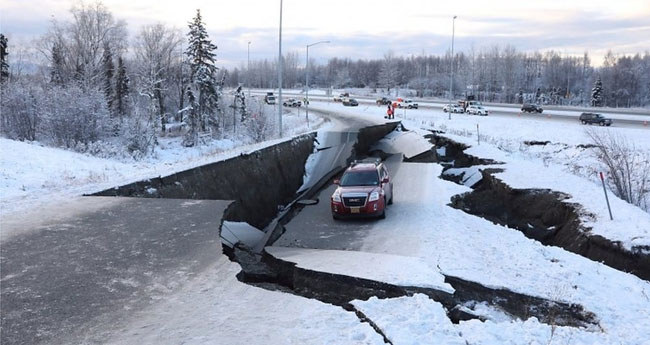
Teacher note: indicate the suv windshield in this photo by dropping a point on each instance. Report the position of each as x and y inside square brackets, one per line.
[360, 178]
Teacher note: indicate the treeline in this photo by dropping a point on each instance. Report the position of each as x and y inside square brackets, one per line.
[99, 91]
[91, 96]
[495, 74]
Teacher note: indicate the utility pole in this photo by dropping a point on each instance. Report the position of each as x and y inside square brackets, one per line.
[307, 81]
[280, 76]
[248, 70]
[451, 80]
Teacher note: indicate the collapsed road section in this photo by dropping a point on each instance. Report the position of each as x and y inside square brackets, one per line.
[540, 214]
[312, 235]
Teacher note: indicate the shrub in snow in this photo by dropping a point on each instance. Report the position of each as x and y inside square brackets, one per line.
[72, 115]
[139, 136]
[260, 125]
[20, 110]
[628, 169]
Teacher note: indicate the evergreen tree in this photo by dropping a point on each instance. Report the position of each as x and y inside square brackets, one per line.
[597, 93]
[4, 66]
[203, 84]
[108, 71]
[56, 70]
[240, 103]
[121, 95]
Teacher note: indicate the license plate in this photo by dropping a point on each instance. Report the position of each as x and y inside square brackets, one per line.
[354, 210]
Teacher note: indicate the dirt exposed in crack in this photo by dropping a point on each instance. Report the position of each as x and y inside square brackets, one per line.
[268, 272]
[341, 290]
[540, 214]
[276, 172]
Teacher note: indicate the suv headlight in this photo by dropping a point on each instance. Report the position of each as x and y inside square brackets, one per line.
[336, 196]
[374, 196]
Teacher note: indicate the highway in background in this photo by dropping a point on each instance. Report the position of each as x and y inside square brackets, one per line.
[627, 118]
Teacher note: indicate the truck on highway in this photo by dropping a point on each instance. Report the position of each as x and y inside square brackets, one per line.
[469, 101]
[269, 98]
[341, 97]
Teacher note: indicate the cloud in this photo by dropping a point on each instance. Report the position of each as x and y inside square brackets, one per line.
[368, 30]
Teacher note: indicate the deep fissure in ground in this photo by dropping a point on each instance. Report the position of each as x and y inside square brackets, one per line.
[540, 214]
[277, 173]
[266, 271]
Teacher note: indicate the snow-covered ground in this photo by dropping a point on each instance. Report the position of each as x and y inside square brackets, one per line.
[421, 235]
[31, 174]
[420, 226]
[562, 166]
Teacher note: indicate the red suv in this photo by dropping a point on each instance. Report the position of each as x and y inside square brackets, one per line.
[364, 190]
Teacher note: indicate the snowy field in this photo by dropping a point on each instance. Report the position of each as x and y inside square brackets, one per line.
[32, 175]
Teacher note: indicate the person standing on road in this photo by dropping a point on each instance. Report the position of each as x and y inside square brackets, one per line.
[389, 112]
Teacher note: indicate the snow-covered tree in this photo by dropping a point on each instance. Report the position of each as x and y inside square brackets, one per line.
[57, 66]
[4, 65]
[154, 48]
[121, 96]
[108, 69]
[597, 93]
[240, 104]
[389, 72]
[73, 116]
[203, 83]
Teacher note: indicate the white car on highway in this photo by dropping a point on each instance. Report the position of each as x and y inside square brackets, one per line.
[453, 108]
[477, 110]
[408, 103]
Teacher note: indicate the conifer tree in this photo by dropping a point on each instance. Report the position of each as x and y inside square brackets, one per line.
[121, 89]
[56, 70]
[203, 84]
[597, 93]
[4, 65]
[108, 71]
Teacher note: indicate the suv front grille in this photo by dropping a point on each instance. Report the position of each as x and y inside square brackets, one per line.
[354, 201]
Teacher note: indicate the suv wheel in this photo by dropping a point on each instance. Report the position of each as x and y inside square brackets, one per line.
[584, 122]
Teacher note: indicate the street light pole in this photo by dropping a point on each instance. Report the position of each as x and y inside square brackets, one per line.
[248, 71]
[280, 75]
[307, 81]
[451, 80]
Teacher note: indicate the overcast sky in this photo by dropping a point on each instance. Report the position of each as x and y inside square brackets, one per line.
[368, 29]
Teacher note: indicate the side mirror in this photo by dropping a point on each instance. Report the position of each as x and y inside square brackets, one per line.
[337, 182]
[385, 180]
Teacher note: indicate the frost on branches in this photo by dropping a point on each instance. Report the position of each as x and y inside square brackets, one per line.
[597, 93]
[203, 90]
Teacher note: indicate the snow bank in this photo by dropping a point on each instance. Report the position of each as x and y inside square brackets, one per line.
[420, 320]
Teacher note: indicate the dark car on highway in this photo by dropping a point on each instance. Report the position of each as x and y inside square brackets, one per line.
[531, 108]
[364, 190]
[350, 102]
[593, 118]
[383, 101]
